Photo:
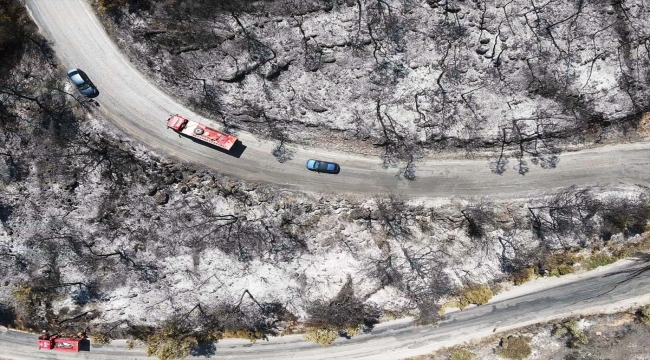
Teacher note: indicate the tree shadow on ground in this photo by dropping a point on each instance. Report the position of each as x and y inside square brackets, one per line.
[204, 349]
[235, 151]
[634, 273]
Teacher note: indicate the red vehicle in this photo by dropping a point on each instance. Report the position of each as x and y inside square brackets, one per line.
[199, 131]
[59, 342]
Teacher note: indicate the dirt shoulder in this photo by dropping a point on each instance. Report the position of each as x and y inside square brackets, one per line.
[617, 336]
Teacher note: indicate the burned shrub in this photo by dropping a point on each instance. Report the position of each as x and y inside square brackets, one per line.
[343, 315]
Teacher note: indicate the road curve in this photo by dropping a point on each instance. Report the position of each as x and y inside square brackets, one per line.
[140, 109]
[588, 293]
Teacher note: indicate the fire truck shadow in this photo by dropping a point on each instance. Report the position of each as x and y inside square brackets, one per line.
[84, 345]
[235, 151]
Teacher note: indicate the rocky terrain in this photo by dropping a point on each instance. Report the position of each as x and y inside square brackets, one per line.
[401, 78]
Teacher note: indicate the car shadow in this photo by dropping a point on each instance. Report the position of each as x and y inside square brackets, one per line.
[84, 345]
[331, 172]
[235, 151]
[326, 172]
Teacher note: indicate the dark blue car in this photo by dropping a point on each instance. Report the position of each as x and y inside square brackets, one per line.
[323, 166]
[83, 83]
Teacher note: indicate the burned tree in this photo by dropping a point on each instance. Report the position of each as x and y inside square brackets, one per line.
[399, 145]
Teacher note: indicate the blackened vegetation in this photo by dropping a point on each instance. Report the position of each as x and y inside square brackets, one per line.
[579, 213]
[417, 270]
[627, 216]
[564, 215]
[15, 32]
[520, 79]
[278, 239]
[528, 139]
[73, 198]
[253, 320]
[398, 144]
[345, 312]
[112, 6]
[479, 219]
[86, 208]
[273, 127]
[414, 259]
[196, 331]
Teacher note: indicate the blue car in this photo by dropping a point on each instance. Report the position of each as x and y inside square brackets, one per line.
[83, 83]
[323, 166]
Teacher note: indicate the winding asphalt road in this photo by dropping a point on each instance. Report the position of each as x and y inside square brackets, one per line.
[587, 293]
[140, 109]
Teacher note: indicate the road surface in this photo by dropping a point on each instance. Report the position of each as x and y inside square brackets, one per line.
[140, 109]
[588, 293]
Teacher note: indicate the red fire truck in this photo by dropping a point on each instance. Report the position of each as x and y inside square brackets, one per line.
[202, 132]
[59, 342]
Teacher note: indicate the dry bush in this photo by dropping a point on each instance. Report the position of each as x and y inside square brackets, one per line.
[100, 338]
[514, 348]
[343, 315]
[598, 260]
[576, 338]
[643, 315]
[566, 214]
[113, 6]
[461, 354]
[168, 347]
[321, 336]
[474, 294]
[523, 275]
[560, 264]
[629, 248]
[250, 319]
[393, 214]
[24, 294]
[178, 337]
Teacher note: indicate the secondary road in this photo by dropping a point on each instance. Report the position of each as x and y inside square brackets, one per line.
[588, 293]
[139, 108]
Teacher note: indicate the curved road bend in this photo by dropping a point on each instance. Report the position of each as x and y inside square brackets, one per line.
[589, 293]
[140, 109]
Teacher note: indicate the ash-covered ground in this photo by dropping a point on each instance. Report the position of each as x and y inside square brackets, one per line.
[401, 78]
[100, 234]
